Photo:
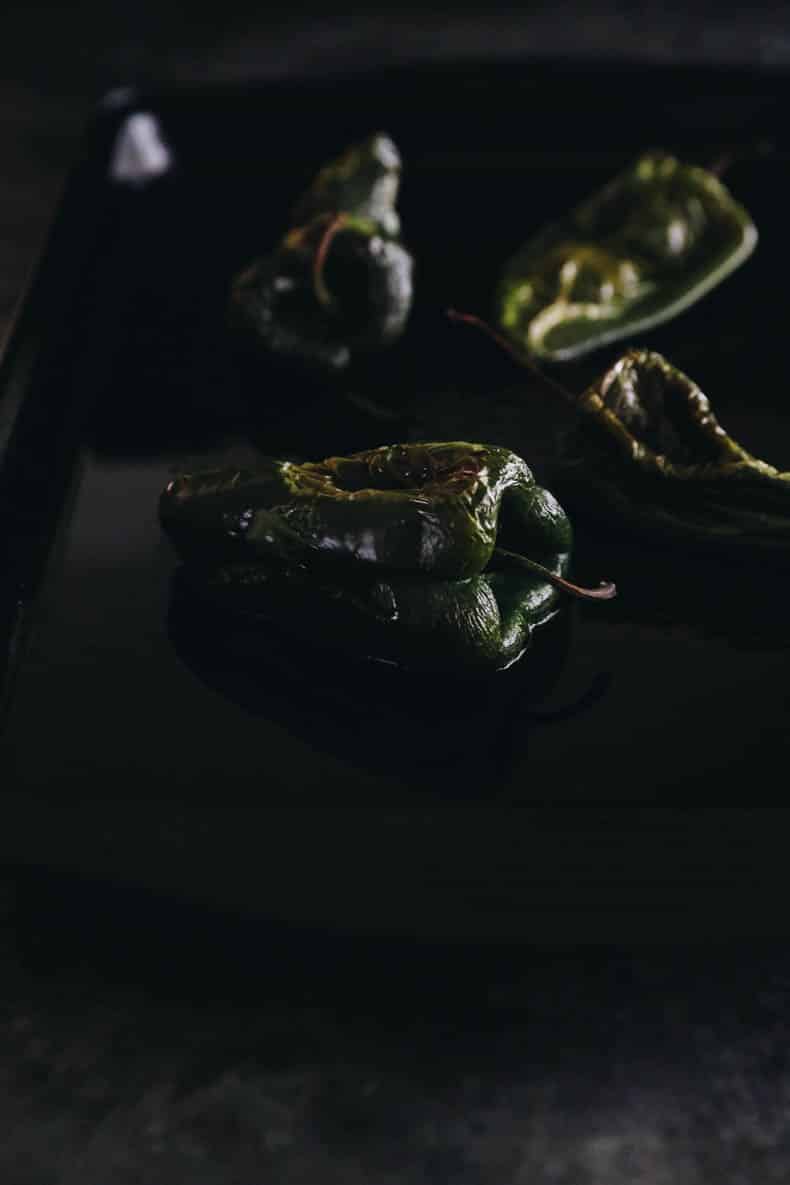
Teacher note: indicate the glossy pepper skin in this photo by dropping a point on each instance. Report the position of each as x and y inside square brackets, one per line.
[650, 452]
[402, 552]
[633, 255]
[340, 281]
[482, 624]
[429, 510]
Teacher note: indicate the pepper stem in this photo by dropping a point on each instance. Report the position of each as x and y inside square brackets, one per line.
[519, 356]
[605, 591]
[736, 153]
[322, 293]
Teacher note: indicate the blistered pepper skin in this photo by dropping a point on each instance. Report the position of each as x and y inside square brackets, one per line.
[413, 554]
[431, 510]
[633, 255]
[650, 452]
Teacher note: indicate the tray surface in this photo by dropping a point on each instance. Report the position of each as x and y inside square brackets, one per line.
[672, 694]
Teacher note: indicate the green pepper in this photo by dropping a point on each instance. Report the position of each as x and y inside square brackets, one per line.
[633, 255]
[413, 553]
[650, 451]
[482, 623]
[340, 280]
[428, 509]
[363, 181]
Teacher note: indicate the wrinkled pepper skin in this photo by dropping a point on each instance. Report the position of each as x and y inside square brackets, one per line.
[340, 281]
[633, 255]
[399, 552]
[650, 452]
[429, 510]
[483, 624]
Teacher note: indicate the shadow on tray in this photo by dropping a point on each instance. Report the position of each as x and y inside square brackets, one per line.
[740, 598]
[456, 737]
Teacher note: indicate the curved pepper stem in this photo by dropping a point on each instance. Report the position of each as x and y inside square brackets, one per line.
[736, 153]
[322, 293]
[605, 591]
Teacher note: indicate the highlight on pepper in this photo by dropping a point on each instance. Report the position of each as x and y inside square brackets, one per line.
[633, 255]
[440, 555]
[650, 451]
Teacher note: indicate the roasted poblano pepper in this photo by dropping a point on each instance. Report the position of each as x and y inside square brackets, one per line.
[638, 252]
[439, 555]
[340, 280]
[649, 450]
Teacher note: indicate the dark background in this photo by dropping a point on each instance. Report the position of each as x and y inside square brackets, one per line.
[56, 60]
[142, 1041]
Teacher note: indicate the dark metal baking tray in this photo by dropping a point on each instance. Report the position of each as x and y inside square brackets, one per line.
[141, 739]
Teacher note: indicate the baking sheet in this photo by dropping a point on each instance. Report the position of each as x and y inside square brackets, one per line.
[126, 703]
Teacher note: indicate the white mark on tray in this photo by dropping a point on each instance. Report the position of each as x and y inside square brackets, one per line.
[140, 153]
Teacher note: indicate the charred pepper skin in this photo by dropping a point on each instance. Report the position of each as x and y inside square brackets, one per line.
[340, 281]
[400, 553]
[650, 453]
[431, 510]
[633, 255]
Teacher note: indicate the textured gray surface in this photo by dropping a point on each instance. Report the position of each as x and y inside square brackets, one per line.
[580, 1070]
[127, 1059]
